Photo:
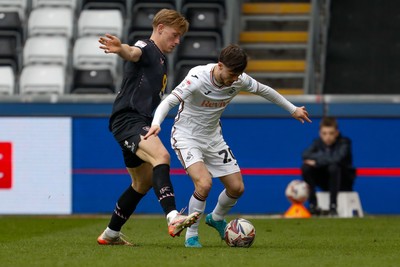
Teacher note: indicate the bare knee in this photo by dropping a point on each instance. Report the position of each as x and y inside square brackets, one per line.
[203, 186]
[235, 190]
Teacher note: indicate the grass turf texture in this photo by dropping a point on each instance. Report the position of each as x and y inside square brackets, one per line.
[71, 241]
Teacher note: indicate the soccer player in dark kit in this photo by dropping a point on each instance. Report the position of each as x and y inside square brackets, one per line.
[147, 161]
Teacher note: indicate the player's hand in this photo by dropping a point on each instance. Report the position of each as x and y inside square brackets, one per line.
[110, 44]
[301, 114]
[154, 130]
[310, 162]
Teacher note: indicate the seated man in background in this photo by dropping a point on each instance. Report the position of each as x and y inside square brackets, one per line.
[328, 164]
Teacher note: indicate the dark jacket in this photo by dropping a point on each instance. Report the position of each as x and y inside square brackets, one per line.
[339, 153]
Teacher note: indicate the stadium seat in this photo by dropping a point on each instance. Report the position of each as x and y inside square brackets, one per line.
[7, 80]
[105, 4]
[42, 79]
[93, 82]
[204, 17]
[51, 21]
[10, 44]
[99, 22]
[11, 36]
[183, 67]
[10, 21]
[143, 14]
[88, 56]
[14, 6]
[199, 45]
[46, 50]
[138, 35]
[54, 3]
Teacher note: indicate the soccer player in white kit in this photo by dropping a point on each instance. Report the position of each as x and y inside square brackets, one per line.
[197, 135]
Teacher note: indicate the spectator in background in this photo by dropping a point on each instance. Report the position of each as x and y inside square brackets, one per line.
[328, 164]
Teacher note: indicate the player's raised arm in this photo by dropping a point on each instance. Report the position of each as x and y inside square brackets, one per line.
[161, 112]
[112, 44]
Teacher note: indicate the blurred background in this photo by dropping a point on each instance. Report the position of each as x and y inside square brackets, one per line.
[338, 58]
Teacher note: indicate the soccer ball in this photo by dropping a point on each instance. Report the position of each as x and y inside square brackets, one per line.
[297, 191]
[240, 233]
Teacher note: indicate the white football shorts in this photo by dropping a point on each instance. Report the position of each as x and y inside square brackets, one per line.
[215, 153]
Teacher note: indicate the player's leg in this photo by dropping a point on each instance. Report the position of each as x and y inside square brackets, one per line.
[126, 204]
[227, 199]
[202, 181]
[153, 151]
[222, 163]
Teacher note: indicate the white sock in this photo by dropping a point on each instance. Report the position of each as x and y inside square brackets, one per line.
[171, 215]
[111, 233]
[224, 205]
[199, 206]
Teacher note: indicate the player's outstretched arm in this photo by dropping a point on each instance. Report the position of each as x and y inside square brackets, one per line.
[301, 114]
[161, 112]
[112, 44]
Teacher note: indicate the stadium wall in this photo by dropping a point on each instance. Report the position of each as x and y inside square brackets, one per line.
[71, 164]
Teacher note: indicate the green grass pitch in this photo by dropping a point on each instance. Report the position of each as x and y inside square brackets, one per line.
[71, 241]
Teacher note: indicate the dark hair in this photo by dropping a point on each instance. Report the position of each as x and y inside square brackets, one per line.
[234, 58]
[328, 122]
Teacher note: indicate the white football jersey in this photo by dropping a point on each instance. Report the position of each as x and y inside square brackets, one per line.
[202, 101]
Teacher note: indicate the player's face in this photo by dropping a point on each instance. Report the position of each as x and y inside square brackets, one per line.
[227, 77]
[328, 135]
[170, 38]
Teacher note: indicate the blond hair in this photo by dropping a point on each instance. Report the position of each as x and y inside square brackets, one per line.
[171, 18]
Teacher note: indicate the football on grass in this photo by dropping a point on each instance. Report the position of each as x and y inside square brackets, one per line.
[297, 191]
[240, 233]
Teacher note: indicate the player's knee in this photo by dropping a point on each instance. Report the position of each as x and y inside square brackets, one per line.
[236, 190]
[163, 157]
[203, 186]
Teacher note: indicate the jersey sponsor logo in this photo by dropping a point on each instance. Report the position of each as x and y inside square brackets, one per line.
[207, 93]
[5, 165]
[140, 44]
[214, 104]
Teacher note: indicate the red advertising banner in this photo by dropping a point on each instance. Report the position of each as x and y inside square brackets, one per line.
[5, 165]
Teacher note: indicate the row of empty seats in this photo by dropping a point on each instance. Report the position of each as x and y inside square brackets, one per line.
[53, 50]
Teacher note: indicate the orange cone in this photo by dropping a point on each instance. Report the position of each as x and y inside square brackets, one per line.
[297, 210]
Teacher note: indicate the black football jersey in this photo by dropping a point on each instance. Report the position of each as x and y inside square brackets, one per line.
[144, 82]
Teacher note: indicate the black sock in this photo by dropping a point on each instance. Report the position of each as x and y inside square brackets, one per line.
[163, 188]
[124, 208]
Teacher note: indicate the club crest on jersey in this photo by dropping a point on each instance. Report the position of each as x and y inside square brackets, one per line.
[131, 147]
[140, 44]
[189, 156]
